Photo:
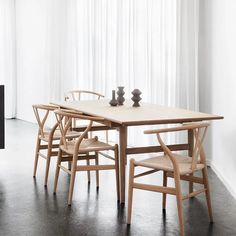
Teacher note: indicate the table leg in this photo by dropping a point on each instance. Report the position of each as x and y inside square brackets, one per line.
[122, 159]
[190, 153]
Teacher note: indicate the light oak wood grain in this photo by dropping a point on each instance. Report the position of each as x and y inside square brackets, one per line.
[145, 114]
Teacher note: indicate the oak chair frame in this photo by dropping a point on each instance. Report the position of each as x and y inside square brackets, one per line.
[77, 151]
[51, 141]
[198, 156]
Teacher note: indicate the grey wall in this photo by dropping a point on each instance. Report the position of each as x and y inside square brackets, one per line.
[217, 73]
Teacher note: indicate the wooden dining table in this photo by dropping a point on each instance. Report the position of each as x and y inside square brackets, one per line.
[122, 117]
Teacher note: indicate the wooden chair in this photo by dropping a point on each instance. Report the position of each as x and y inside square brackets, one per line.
[78, 95]
[82, 148]
[177, 166]
[47, 138]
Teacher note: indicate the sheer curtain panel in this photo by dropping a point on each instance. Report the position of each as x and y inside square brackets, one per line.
[59, 45]
[7, 55]
[85, 44]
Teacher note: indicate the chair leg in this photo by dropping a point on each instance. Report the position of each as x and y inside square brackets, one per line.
[117, 173]
[179, 203]
[72, 182]
[164, 194]
[190, 185]
[48, 160]
[130, 191]
[107, 136]
[97, 171]
[69, 165]
[207, 193]
[36, 156]
[57, 170]
[88, 172]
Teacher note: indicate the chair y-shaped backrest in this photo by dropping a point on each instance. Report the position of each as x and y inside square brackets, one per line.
[64, 118]
[41, 112]
[199, 136]
[199, 133]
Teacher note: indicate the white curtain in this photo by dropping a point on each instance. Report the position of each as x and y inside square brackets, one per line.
[7, 55]
[101, 44]
[187, 82]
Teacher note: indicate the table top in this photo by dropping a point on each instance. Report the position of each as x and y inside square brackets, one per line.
[146, 114]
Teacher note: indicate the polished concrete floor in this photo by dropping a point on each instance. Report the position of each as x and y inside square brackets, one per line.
[27, 208]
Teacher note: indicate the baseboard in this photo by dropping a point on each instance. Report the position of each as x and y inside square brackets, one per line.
[223, 180]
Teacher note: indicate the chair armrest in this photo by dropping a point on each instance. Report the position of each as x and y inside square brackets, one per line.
[77, 114]
[50, 107]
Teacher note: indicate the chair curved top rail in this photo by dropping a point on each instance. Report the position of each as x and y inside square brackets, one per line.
[49, 107]
[187, 126]
[86, 91]
[78, 93]
[76, 114]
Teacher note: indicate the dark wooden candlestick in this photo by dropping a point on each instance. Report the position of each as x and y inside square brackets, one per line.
[113, 101]
[120, 94]
[136, 97]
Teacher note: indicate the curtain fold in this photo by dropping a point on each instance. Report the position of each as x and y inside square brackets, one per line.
[7, 55]
[187, 54]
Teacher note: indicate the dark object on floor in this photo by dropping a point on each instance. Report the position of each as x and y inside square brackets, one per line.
[2, 125]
